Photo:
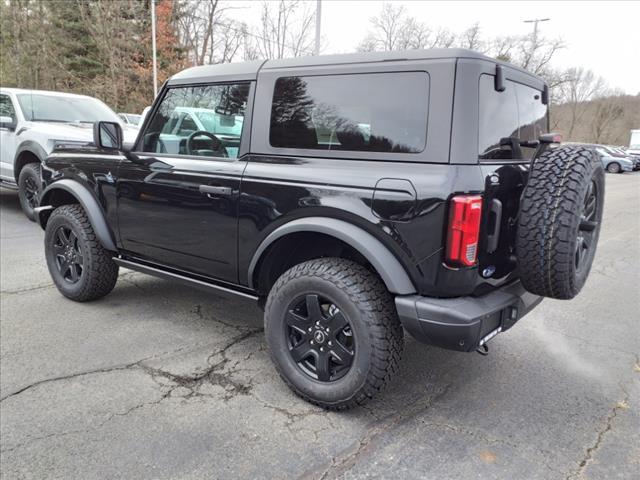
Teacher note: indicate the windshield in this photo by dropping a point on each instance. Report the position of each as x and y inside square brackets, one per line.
[133, 119]
[614, 152]
[49, 108]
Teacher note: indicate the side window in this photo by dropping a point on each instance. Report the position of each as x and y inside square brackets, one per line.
[509, 119]
[6, 107]
[201, 120]
[377, 112]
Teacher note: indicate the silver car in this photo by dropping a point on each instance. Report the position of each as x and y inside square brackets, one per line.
[612, 163]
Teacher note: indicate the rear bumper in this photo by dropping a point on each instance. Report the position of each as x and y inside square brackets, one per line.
[462, 323]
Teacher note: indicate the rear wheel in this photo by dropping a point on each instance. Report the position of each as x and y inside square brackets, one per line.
[333, 332]
[613, 167]
[79, 265]
[29, 187]
[559, 221]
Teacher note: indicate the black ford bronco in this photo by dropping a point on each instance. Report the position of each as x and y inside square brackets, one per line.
[353, 196]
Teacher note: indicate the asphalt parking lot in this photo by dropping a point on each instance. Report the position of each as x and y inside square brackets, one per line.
[160, 381]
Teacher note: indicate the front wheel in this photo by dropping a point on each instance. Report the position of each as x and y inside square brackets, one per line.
[333, 332]
[79, 265]
[614, 167]
[29, 186]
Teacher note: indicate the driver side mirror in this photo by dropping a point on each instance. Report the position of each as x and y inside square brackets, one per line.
[7, 122]
[107, 135]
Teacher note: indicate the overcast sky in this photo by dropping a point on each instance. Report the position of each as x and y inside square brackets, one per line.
[602, 36]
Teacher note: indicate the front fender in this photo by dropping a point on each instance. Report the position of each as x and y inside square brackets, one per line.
[89, 203]
[30, 146]
[386, 264]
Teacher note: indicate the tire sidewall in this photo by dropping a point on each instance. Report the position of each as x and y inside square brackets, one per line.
[56, 221]
[29, 170]
[334, 392]
[597, 176]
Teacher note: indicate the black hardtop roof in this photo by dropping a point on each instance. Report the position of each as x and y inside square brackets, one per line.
[249, 70]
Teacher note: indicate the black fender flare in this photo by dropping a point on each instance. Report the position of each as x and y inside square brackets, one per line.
[89, 204]
[31, 147]
[393, 274]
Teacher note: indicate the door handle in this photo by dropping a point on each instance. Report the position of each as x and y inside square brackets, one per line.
[213, 191]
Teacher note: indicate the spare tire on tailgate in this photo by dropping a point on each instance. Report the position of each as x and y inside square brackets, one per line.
[559, 221]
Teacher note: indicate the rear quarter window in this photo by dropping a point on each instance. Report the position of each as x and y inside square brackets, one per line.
[369, 112]
[509, 118]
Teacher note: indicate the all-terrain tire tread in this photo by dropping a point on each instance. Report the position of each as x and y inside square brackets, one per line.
[548, 220]
[103, 271]
[376, 306]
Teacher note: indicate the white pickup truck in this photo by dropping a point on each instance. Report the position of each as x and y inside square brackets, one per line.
[32, 123]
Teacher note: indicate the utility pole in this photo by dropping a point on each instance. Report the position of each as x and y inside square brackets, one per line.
[318, 21]
[153, 47]
[535, 22]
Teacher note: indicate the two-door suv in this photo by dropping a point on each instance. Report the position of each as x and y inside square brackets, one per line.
[353, 196]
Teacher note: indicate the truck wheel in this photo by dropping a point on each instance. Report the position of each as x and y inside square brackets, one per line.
[29, 186]
[79, 265]
[559, 221]
[333, 332]
[613, 167]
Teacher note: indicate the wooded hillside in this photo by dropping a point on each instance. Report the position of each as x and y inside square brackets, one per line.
[606, 120]
[102, 48]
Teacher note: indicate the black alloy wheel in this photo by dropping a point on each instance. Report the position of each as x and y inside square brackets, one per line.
[79, 265]
[31, 191]
[333, 332]
[589, 222]
[29, 187]
[68, 254]
[320, 338]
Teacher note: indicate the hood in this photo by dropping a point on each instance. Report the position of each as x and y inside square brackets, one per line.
[129, 134]
[74, 132]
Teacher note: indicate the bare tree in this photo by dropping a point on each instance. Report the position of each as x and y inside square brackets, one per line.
[607, 111]
[206, 33]
[534, 52]
[472, 39]
[286, 30]
[580, 86]
[393, 29]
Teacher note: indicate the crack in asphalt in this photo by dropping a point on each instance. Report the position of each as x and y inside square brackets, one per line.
[342, 463]
[85, 430]
[589, 453]
[191, 382]
[181, 380]
[212, 375]
[197, 310]
[31, 288]
[68, 377]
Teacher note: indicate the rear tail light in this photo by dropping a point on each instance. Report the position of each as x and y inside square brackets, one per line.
[464, 229]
